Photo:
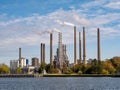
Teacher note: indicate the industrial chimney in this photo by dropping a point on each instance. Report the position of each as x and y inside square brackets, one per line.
[84, 46]
[75, 51]
[51, 49]
[44, 53]
[80, 48]
[19, 57]
[98, 45]
[41, 53]
[60, 50]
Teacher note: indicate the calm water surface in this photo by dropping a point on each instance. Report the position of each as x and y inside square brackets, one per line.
[60, 83]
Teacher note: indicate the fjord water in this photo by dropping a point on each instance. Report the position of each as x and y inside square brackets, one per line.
[60, 83]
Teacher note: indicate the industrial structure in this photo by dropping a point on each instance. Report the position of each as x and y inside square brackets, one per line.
[61, 58]
[75, 47]
[19, 57]
[98, 45]
[84, 46]
[35, 62]
[51, 49]
[42, 53]
[80, 48]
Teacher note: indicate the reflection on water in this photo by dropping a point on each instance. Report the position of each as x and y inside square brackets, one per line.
[60, 83]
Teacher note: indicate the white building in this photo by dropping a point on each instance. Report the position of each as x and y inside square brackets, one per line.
[14, 64]
[23, 62]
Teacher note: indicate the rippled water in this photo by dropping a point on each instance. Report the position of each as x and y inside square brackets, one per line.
[60, 83]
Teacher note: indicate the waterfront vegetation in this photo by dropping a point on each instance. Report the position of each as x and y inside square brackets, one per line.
[4, 69]
[93, 67]
[106, 67]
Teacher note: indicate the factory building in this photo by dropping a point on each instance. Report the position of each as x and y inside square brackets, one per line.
[61, 58]
[24, 62]
[35, 62]
[14, 64]
[64, 57]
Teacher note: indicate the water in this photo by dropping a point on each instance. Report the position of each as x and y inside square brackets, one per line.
[60, 83]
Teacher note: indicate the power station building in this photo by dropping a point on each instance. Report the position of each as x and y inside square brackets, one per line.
[61, 58]
[35, 62]
[64, 57]
[14, 64]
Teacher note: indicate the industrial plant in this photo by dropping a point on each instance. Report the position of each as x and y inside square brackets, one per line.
[61, 59]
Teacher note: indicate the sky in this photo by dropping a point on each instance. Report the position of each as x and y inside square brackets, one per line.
[23, 23]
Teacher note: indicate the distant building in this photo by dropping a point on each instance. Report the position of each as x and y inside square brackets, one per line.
[64, 58]
[14, 64]
[35, 62]
[23, 62]
[28, 70]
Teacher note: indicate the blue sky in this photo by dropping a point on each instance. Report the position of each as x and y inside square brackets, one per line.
[22, 21]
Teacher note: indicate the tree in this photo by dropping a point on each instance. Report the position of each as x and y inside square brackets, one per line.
[116, 63]
[4, 69]
[78, 67]
[19, 70]
[104, 72]
[43, 66]
[50, 69]
[107, 65]
[94, 67]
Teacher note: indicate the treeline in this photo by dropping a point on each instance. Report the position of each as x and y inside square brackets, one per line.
[109, 66]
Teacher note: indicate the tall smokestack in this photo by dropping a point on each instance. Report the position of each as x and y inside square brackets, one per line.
[80, 48]
[51, 49]
[98, 45]
[84, 46]
[19, 57]
[41, 53]
[44, 53]
[60, 50]
[75, 53]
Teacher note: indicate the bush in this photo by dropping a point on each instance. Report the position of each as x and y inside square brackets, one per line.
[104, 71]
[79, 72]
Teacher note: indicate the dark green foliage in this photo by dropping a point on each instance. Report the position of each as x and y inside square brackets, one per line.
[50, 69]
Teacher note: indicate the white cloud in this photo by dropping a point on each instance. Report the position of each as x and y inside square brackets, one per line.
[114, 5]
[94, 3]
[21, 30]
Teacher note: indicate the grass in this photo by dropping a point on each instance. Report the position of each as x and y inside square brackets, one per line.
[76, 75]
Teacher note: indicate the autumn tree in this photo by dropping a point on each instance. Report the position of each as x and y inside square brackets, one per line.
[4, 69]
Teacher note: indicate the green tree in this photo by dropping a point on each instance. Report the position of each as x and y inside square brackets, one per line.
[43, 66]
[116, 63]
[104, 72]
[94, 67]
[4, 69]
[19, 70]
[78, 67]
[107, 65]
[50, 69]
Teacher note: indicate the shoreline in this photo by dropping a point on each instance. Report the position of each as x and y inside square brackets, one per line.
[57, 75]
